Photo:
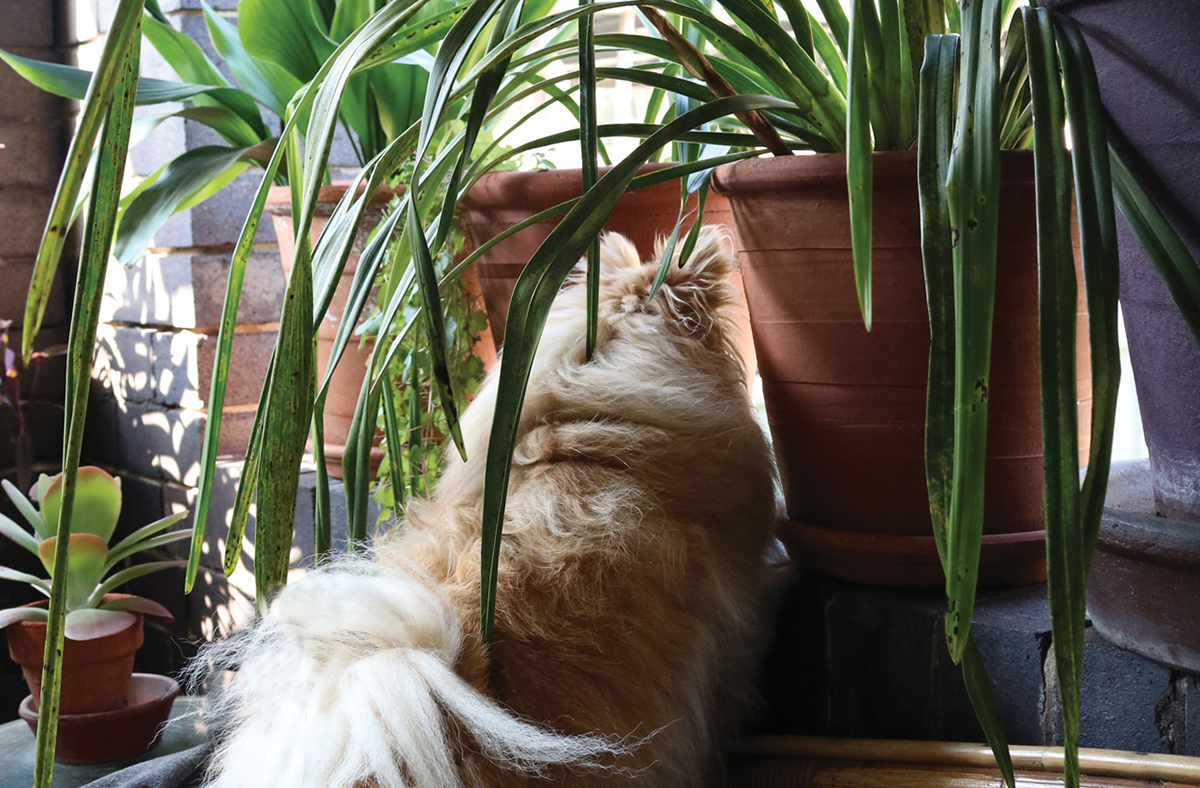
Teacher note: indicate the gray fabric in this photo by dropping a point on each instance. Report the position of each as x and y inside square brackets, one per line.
[177, 770]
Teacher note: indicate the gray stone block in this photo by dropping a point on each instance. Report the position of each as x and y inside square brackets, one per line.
[1123, 697]
[1011, 630]
[188, 291]
[33, 152]
[166, 141]
[16, 271]
[21, 100]
[24, 211]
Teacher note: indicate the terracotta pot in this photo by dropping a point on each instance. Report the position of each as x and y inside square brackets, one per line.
[95, 673]
[348, 376]
[112, 735]
[502, 199]
[847, 406]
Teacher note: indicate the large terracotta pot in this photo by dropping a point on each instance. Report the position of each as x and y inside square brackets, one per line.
[96, 673]
[847, 406]
[500, 200]
[1145, 580]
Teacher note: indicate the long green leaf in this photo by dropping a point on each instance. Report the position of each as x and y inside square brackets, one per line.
[125, 575]
[70, 82]
[123, 30]
[1163, 248]
[936, 129]
[859, 167]
[983, 701]
[973, 188]
[1098, 242]
[588, 150]
[532, 296]
[27, 509]
[120, 63]
[18, 534]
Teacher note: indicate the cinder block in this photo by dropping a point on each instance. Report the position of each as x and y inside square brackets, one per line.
[167, 140]
[27, 24]
[1123, 696]
[156, 442]
[188, 291]
[19, 99]
[879, 662]
[16, 271]
[1192, 717]
[1011, 629]
[25, 211]
[44, 422]
[33, 152]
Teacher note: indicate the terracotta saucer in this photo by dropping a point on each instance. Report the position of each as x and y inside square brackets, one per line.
[112, 735]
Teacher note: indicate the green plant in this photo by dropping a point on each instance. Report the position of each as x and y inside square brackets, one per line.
[91, 562]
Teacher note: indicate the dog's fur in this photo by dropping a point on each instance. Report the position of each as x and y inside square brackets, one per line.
[631, 577]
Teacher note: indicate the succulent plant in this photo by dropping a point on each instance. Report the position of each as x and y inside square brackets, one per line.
[90, 560]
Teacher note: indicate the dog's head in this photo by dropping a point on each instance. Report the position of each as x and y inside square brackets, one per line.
[695, 304]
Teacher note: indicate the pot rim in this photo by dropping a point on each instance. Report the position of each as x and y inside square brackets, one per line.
[806, 171]
[508, 186]
[279, 198]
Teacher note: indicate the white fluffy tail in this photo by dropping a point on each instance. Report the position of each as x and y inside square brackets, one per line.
[350, 680]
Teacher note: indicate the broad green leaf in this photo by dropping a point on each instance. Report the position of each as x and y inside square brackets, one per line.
[189, 172]
[97, 494]
[70, 82]
[268, 82]
[283, 32]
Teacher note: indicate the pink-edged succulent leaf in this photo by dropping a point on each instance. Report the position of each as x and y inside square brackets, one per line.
[90, 623]
[97, 503]
[138, 604]
[85, 565]
[15, 614]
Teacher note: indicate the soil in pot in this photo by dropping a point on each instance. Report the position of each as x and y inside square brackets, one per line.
[500, 200]
[847, 406]
[346, 382]
[95, 673]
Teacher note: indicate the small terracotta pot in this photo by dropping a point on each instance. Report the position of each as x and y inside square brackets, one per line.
[95, 673]
[500, 200]
[847, 406]
[348, 376]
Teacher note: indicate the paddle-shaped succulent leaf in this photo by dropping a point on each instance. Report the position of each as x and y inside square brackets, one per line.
[85, 564]
[15, 614]
[97, 503]
[91, 623]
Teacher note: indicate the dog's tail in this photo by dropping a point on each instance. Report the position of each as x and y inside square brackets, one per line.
[350, 680]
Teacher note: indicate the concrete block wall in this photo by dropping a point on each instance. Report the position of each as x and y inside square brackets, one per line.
[35, 130]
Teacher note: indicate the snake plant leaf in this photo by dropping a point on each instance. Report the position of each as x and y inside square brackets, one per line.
[18, 534]
[532, 297]
[414, 37]
[211, 166]
[859, 167]
[268, 82]
[27, 509]
[85, 565]
[356, 462]
[983, 701]
[935, 134]
[124, 29]
[110, 115]
[99, 497]
[589, 148]
[973, 190]
[91, 623]
[14, 614]
[138, 604]
[395, 445]
[70, 82]
[1165, 251]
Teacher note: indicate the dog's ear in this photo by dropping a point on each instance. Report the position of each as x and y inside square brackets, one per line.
[699, 296]
[711, 263]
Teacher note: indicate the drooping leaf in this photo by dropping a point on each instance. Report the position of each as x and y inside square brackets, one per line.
[70, 82]
[859, 166]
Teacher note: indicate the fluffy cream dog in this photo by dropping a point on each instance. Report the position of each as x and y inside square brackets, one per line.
[631, 578]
